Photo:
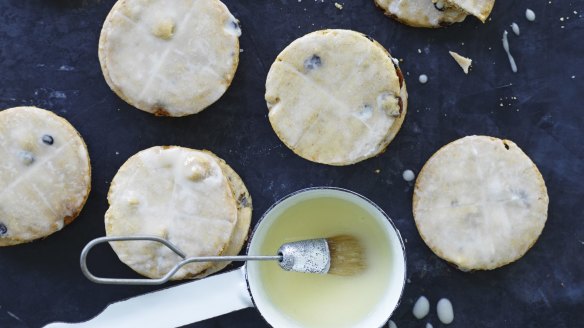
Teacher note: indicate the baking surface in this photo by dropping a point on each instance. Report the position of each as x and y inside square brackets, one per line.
[48, 58]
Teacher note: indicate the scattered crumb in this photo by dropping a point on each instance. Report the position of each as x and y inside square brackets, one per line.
[391, 324]
[462, 61]
[419, 51]
[117, 153]
[377, 171]
[429, 325]
[339, 6]
[423, 78]
[240, 50]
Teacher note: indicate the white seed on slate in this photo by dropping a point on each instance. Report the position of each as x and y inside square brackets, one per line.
[391, 324]
[429, 325]
[421, 308]
[445, 311]
[423, 78]
[515, 28]
[530, 15]
[408, 175]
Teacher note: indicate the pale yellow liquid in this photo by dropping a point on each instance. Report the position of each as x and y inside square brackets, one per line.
[326, 300]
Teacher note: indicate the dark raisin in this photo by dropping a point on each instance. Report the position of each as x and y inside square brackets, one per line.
[3, 229]
[47, 139]
[26, 157]
[243, 200]
[312, 62]
[400, 75]
[401, 105]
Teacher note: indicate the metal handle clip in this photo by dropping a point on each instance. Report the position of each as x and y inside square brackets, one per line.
[167, 276]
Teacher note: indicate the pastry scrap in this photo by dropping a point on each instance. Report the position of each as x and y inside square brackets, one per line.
[463, 62]
[434, 13]
[189, 197]
[335, 97]
[480, 203]
[169, 60]
[45, 174]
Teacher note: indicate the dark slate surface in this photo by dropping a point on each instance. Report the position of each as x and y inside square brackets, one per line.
[48, 58]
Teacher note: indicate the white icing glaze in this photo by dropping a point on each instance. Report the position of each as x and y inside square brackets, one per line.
[41, 184]
[421, 308]
[175, 193]
[408, 175]
[445, 311]
[333, 97]
[506, 47]
[480, 203]
[529, 15]
[169, 59]
[515, 28]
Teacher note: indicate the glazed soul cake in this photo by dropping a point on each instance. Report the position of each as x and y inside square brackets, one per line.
[169, 60]
[335, 97]
[45, 174]
[189, 197]
[435, 13]
[480, 203]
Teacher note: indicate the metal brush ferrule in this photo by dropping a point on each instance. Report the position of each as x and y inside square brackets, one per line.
[310, 256]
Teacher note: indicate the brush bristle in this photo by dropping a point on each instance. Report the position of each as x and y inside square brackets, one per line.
[347, 256]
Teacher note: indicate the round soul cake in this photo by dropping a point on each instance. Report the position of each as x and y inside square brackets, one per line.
[421, 13]
[189, 197]
[169, 59]
[480, 203]
[45, 175]
[336, 97]
[435, 13]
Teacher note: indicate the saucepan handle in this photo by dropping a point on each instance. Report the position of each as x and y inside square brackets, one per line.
[176, 306]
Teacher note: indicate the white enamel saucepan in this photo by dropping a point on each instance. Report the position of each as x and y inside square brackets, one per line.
[244, 287]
